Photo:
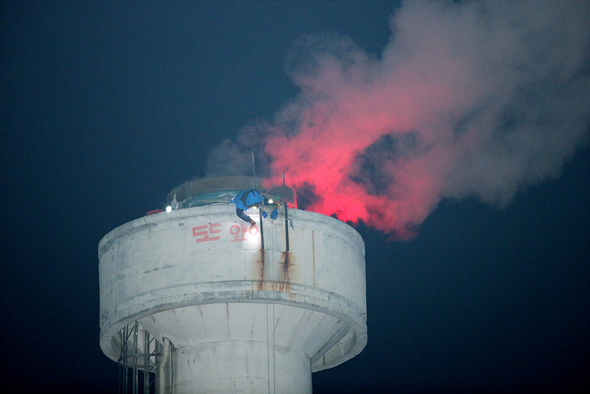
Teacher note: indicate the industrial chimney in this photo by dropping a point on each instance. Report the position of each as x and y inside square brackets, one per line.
[200, 301]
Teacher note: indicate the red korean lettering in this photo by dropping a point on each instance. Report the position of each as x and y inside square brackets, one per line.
[238, 231]
[241, 232]
[204, 233]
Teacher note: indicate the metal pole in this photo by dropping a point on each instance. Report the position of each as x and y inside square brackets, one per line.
[254, 172]
[261, 229]
[135, 356]
[286, 216]
[124, 370]
[146, 362]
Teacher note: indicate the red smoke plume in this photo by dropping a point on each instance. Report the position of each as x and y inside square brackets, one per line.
[468, 99]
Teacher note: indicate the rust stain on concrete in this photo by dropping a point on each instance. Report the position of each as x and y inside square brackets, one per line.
[260, 265]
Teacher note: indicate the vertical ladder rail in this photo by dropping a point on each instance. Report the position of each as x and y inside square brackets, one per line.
[135, 357]
[286, 217]
[123, 370]
[261, 230]
[146, 362]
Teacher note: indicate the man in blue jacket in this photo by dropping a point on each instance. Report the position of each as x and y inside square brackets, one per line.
[246, 199]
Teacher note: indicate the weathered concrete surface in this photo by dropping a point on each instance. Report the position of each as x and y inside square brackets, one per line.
[260, 320]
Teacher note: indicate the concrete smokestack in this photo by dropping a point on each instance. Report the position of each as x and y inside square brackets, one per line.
[236, 317]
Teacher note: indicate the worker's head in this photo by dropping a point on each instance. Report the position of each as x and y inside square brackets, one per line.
[261, 201]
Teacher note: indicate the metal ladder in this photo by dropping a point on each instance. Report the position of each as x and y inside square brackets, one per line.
[137, 358]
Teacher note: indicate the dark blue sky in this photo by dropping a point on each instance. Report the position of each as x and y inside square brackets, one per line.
[107, 106]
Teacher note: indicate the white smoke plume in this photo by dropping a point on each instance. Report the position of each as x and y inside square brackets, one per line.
[469, 99]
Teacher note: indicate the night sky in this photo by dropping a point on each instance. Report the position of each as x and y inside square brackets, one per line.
[107, 106]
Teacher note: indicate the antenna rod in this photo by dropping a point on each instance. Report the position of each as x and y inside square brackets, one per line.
[261, 229]
[259, 208]
[286, 215]
[254, 172]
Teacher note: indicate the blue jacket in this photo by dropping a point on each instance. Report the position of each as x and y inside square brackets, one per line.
[247, 198]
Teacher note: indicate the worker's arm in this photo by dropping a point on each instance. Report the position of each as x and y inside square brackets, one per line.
[244, 217]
